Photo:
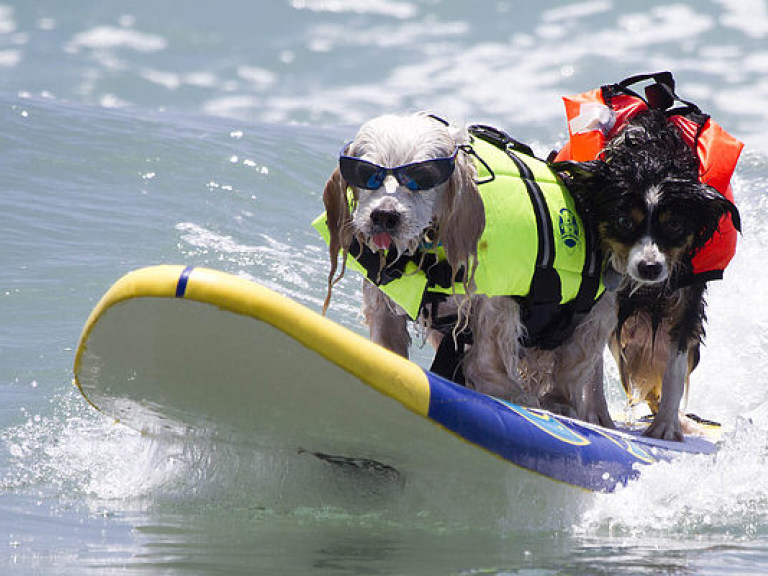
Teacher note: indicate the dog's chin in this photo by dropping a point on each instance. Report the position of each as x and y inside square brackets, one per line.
[637, 284]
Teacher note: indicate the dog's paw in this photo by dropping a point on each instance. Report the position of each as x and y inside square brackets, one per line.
[599, 416]
[662, 429]
[556, 404]
[522, 399]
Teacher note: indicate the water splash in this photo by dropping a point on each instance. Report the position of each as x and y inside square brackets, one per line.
[719, 494]
[723, 494]
[77, 452]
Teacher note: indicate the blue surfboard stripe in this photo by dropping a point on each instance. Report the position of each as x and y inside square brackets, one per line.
[181, 287]
[560, 448]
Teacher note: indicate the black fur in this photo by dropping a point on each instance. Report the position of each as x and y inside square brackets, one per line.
[646, 186]
[649, 152]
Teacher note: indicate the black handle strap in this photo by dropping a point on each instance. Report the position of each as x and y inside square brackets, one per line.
[660, 94]
[500, 139]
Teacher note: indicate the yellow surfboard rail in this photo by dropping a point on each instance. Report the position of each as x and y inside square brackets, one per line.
[381, 369]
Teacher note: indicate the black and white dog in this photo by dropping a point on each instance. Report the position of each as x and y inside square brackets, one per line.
[653, 214]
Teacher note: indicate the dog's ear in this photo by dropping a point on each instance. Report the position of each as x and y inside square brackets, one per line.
[339, 220]
[712, 205]
[461, 217]
[585, 181]
[588, 175]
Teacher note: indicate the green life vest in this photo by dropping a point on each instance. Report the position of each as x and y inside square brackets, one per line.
[535, 246]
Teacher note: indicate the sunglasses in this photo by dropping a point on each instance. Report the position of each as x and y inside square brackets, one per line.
[416, 177]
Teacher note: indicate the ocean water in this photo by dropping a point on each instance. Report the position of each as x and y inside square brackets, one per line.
[139, 133]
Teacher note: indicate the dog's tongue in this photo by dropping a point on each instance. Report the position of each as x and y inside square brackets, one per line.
[382, 240]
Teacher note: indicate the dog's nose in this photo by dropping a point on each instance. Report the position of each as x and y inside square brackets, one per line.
[387, 220]
[649, 270]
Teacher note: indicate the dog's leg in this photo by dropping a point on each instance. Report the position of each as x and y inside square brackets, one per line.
[491, 365]
[595, 409]
[386, 321]
[666, 423]
[579, 377]
[578, 392]
[617, 351]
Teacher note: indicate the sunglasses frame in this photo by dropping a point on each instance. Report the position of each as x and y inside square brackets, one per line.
[399, 172]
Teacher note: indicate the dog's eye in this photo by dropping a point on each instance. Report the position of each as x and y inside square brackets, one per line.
[625, 223]
[674, 227]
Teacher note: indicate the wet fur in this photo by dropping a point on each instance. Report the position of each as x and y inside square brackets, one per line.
[568, 379]
[653, 215]
[453, 210]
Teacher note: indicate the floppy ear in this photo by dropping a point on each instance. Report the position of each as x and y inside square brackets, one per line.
[585, 181]
[712, 205]
[339, 219]
[461, 217]
[583, 178]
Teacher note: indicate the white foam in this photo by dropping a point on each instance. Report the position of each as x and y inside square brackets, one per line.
[79, 451]
[575, 11]
[10, 58]
[401, 10]
[722, 493]
[8, 23]
[110, 37]
[747, 16]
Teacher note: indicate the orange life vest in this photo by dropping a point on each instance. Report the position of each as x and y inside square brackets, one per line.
[594, 117]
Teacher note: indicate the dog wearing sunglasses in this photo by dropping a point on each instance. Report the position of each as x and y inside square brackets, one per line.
[432, 188]
[411, 181]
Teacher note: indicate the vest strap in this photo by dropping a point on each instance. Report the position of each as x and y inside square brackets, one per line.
[499, 138]
[452, 349]
[659, 95]
[591, 272]
[545, 285]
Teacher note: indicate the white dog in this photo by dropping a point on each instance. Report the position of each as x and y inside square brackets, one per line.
[406, 198]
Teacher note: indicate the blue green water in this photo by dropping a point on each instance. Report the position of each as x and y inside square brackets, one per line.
[140, 133]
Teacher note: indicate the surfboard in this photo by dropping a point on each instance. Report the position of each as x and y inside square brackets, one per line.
[170, 350]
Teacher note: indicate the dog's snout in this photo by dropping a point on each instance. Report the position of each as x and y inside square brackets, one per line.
[650, 270]
[387, 220]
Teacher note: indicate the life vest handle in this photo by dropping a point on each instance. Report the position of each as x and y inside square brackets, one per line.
[660, 95]
[500, 139]
[665, 78]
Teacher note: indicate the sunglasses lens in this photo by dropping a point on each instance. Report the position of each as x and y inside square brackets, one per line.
[376, 179]
[426, 175]
[360, 173]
